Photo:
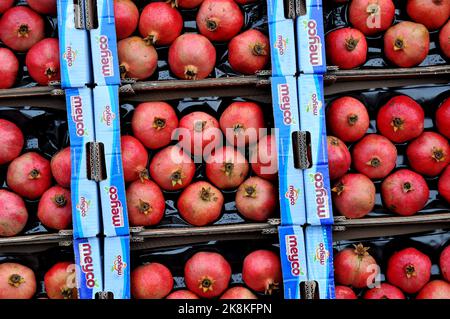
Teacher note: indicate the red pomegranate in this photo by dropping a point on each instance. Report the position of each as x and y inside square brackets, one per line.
[431, 13]
[385, 291]
[200, 204]
[404, 192]
[444, 263]
[355, 267]
[153, 124]
[249, 52]
[339, 159]
[371, 16]
[55, 208]
[11, 139]
[47, 7]
[145, 202]
[406, 44]
[346, 48]
[429, 154]
[126, 16]
[347, 119]
[192, 57]
[29, 175]
[241, 122]
[137, 59]
[207, 274]
[60, 281]
[401, 119]
[13, 214]
[264, 158]
[435, 289]
[172, 169]
[226, 168]
[151, 281]
[21, 28]
[134, 159]
[182, 294]
[444, 184]
[354, 195]
[61, 167]
[261, 271]
[188, 4]
[444, 39]
[9, 67]
[374, 156]
[43, 61]
[5, 5]
[16, 281]
[443, 118]
[343, 292]
[238, 293]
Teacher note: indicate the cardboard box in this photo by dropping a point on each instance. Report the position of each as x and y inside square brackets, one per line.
[117, 266]
[282, 45]
[88, 269]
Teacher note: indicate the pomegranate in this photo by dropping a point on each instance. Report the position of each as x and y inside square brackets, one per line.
[151, 281]
[435, 289]
[126, 16]
[47, 7]
[188, 4]
[153, 124]
[21, 28]
[13, 214]
[343, 292]
[385, 291]
[444, 185]
[371, 16]
[219, 20]
[182, 294]
[264, 158]
[443, 118]
[431, 13]
[61, 167]
[55, 208]
[444, 263]
[11, 139]
[200, 204]
[242, 122]
[9, 67]
[339, 159]
[444, 39]
[401, 119]
[429, 154]
[207, 274]
[137, 59]
[134, 159]
[406, 44]
[262, 271]
[5, 5]
[16, 281]
[227, 168]
[249, 52]
[409, 270]
[374, 156]
[346, 48]
[192, 57]
[355, 267]
[256, 199]
[60, 281]
[238, 293]
[43, 61]
[29, 175]
[347, 119]
[160, 23]
[354, 195]
[145, 202]
[172, 169]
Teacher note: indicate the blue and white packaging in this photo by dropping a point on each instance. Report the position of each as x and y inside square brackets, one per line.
[282, 42]
[276, 10]
[84, 192]
[88, 267]
[112, 189]
[117, 266]
[286, 116]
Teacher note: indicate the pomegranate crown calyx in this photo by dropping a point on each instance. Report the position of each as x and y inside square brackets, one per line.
[338, 188]
[16, 280]
[271, 287]
[177, 177]
[399, 43]
[206, 284]
[351, 43]
[144, 207]
[259, 49]
[438, 154]
[360, 250]
[228, 168]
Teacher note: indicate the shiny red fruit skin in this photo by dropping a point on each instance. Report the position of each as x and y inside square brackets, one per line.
[172, 169]
[207, 274]
[60, 282]
[429, 154]
[151, 281]
[261, 271]
[346, 48]
[238, 293]
[444, 39]
[55, 208]
[343, 292]
[137, 59]
[354, 195]
[219, 20]
[431, 13]
[406, 44]
[371, 16]
[347, 119]
[13, 214]
[21, 28]
[264, 158]
[9, 67]
[443, 117]
[444, 184]
[16, 281]
[385, 291]
[339, 158]
[435, 289]
[153, 124]
[126, 16]
[5, 5]
[401, 119]
[61, 167]
[409, 270]
[182, 294]
[134, 159]
[11, 139]
[249, 52]
[29, 175]
[43, 61]
[444, 263]
[47, 7]
[188, 4]
[374, 156]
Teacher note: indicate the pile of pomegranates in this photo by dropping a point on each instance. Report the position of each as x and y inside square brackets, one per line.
[144, 37]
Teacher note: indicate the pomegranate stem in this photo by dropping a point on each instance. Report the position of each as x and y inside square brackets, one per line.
[259, 49]
[15, 280]
[60, 200]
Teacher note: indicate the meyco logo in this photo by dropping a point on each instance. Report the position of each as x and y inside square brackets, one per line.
[281, 44]
[285, 103]
[321, 196]
[292, 253]
[83, 206]
[106, 57]
[292, 195]
[117, 218]
[76, 105]
[322, 254]
[314, 105]
[87, 264]
[314, 43]
[118, 265]
[70, 56]
[108, 116]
